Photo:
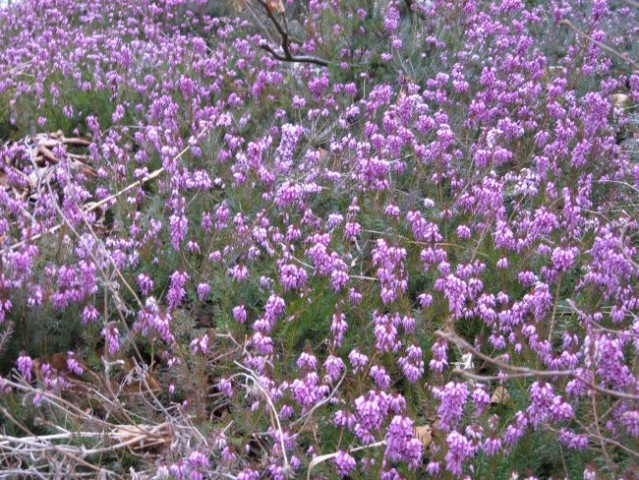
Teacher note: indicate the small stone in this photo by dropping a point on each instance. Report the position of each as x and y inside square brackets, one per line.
[620, 100]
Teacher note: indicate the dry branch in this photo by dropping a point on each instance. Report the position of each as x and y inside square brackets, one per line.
[286, 46]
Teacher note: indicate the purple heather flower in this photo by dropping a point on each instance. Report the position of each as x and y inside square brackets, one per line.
[354, 296]
[572, 440]
[292, 277]
[25, 366]
[239, 273]
[225, 387]
[352, 230]
[382, 379]
[563, 259]
[371, 408]
[307, 391]
[433, 468]
[344, 463]
[412, 364]
[492, 446]
[480, 398]
[176, 291]
[307, 361]
[248, 474]
[357, 360]
[452, 400]
[590, 473]
[459, 449]
[391, 19]
[200, 344]
[89, 314]
[401, 445]
[73, 365]
[630, 420]
[112, 337]
[386, 332]
[203, 289]
[334, 367]
[239, 313]
[344, 419]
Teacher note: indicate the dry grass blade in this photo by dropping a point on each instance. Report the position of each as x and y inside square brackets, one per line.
[323, 458]
[141, 437]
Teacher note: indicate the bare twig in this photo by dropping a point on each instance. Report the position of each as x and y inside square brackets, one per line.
[286, 47]
[307, 416]
[605, 47]
[251, 375]
[63, 450]
[294, 59]
[323, 458]
[522, 372]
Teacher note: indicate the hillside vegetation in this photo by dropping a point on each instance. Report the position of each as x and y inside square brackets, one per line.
[359, 239]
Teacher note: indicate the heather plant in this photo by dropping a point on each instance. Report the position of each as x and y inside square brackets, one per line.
[320, 239]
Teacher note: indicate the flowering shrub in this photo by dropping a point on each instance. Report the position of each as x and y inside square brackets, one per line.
[277, 239]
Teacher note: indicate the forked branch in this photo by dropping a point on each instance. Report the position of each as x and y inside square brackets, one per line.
[286, 44]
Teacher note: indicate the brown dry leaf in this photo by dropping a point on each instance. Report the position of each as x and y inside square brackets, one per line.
[275, 6]
[323, 153]
[76, 141]
[424, 434]
[500, 396]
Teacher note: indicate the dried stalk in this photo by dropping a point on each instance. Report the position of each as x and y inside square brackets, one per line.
[605, 47]
[521, 372]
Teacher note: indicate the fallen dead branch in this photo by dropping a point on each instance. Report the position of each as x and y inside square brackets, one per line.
[131, 437]
[92, 206]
